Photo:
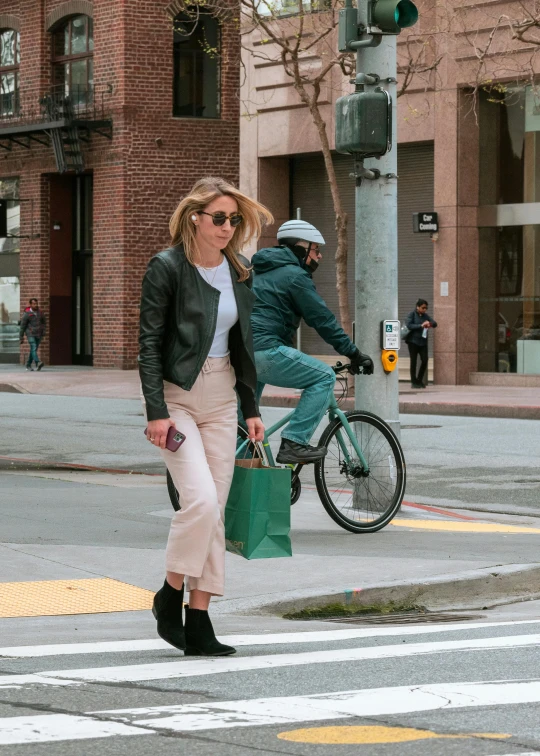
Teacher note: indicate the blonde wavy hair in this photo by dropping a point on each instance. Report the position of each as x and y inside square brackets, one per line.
[254, 217]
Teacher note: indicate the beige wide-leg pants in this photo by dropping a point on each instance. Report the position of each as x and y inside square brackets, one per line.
[202, 471]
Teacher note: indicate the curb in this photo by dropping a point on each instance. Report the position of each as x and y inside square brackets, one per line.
[516, 412]
[276, 400]
[471, 590]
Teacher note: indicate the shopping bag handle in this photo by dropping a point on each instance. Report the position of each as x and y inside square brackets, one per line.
[256, 453]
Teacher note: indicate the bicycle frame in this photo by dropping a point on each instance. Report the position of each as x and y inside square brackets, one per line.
[333, 411]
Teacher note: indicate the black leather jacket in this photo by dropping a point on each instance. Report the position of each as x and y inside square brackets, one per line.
[178, 322]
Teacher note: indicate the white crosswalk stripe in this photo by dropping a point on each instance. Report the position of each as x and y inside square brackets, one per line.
[320, 636]
[267, 711]
[216, 666]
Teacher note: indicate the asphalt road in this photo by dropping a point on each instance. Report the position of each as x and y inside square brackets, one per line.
[448, 689]
[467, 688]
[484, 463]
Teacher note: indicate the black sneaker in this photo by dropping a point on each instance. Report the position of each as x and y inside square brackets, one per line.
[299, 454]
[40, 365]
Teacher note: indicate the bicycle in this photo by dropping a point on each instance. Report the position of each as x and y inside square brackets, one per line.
[364, 464]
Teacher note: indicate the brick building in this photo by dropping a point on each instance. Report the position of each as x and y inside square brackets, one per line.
[109, 111]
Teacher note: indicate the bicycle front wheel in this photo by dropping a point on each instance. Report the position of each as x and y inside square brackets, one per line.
[360, 501]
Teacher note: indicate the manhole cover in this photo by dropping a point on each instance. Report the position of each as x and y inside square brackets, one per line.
[405, 618]
[416, 427]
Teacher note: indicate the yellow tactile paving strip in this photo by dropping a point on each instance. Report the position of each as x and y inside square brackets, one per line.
[464, 527]
[54, 597]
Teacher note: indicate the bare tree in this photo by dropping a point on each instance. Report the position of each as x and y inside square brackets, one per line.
[501, 49]
[301, 36]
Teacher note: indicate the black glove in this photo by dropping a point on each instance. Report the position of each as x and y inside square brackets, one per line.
[361, 362]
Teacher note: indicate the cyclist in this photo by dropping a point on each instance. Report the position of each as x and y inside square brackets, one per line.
[285, 294]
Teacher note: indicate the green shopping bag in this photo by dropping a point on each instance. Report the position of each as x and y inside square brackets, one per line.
[258, 511]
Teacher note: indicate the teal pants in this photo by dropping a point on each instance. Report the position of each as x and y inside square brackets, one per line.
[290, 368]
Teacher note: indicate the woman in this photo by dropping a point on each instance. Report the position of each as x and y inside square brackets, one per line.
[195, 350]
[419, 322]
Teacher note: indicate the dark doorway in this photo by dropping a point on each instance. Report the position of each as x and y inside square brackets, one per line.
[82, 271]
[71, 280]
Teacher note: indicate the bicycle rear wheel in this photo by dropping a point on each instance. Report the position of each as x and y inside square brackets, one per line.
[173, 493]
[360, 502]
[248, 452]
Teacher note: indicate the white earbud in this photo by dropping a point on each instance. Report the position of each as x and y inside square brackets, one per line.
[193, 218]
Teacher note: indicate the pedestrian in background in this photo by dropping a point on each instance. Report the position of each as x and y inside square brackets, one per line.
[196, 348]
[419, 322]
[33, 325]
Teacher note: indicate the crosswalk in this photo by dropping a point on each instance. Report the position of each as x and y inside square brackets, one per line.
[344, 651]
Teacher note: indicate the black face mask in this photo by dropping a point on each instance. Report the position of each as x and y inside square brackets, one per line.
[302, 254]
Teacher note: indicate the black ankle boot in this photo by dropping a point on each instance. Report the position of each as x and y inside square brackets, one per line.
[200, 636]
[167, 609]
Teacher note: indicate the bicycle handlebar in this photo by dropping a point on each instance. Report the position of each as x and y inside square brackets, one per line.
[339, 367]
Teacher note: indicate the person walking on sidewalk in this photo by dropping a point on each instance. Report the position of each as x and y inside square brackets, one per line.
[285, 292]
[33, 325]
[196, 348]
[419, 322]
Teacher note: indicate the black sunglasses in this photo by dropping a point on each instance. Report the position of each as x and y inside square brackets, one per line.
[218, 219]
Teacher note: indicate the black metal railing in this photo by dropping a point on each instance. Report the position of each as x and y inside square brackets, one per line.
[58, 103]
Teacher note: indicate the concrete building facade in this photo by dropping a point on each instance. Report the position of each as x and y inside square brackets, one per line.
[109, 112]
[468, 149]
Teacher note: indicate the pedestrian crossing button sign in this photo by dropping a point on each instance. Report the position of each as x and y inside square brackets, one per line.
[390, 331]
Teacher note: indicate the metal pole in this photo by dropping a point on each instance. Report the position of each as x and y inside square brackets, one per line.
[299, 330]
[376, 257]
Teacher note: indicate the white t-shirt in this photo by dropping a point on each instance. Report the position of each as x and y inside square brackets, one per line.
[220, 279]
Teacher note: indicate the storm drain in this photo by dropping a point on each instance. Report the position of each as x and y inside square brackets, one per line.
[404, 618]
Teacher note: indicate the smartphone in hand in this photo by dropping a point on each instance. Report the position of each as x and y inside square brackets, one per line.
[175, 439]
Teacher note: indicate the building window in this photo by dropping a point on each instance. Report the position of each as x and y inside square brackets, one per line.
[509, 255]
[9, 72]
[196, 66]
[73, 64]
[280, 8]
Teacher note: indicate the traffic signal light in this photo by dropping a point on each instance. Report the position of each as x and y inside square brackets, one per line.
[391, 16]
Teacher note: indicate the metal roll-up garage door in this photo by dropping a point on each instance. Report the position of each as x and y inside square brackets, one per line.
[311, 193]
[415, 193]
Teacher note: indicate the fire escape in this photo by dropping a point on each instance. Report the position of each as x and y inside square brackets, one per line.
[58, 119]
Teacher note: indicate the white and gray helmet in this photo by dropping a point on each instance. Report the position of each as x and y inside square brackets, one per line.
[300, 230]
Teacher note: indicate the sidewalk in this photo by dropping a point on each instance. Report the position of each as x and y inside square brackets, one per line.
[480, 401]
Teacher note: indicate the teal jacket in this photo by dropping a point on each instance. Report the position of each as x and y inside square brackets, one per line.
[285, 294]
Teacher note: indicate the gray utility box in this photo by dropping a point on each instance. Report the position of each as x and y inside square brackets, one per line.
[528, 356]
[364, 123]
